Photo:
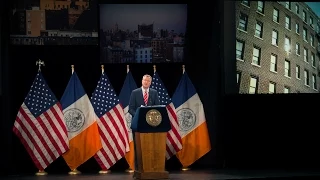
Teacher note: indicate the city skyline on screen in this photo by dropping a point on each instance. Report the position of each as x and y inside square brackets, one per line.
[142, 33]
[128, 16]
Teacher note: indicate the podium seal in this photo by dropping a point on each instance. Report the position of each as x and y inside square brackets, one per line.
[153, 117]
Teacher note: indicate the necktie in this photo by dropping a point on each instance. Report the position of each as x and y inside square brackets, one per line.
[145, 97]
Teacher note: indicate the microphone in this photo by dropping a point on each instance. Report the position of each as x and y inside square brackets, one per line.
[150, 101]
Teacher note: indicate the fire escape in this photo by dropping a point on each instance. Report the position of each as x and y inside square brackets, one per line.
[318, 45]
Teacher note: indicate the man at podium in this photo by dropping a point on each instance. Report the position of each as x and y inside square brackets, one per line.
[143, 96]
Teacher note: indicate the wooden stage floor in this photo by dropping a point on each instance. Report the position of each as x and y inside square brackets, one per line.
[189, 175]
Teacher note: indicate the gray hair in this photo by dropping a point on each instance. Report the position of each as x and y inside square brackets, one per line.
[147, 75]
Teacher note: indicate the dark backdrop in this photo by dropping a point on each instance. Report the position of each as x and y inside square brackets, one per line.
[246, 131]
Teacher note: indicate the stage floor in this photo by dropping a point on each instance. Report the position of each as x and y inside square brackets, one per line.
[189, 175]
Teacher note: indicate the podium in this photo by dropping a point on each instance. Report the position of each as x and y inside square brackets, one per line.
[150, 126]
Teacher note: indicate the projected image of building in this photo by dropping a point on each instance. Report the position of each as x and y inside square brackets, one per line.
[53, 22]
[277, 47]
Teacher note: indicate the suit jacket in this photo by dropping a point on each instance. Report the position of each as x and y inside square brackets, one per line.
[136, 99]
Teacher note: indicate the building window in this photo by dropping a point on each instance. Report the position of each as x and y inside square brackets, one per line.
[239, 49]
[297, 9]
[259, 27]
[304, 16]
[243, 22]
[311, 21]
[305, 37]
[297, 28]
[288, 5]
[272, 88]
[312, 40]
[297, 71]
[287, 71]
[273, 63]
[287, 44]
[261, 6]
[275, 37]
[297, 48]
[313, 61]
[306, 77]
[305, 54]
[288, 22]
[253, 85]
[286, 90]
[314, 81]
[275, 15]
[238, 79]
[256, 55]
[247, 3]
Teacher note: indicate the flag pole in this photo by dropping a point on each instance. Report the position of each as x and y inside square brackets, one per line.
[39, 63]
[103, 171]
[129, 170]
[74, 171]
[102, 69]
[72, 69]
[40, 172]
[154, 68]
[184, 168]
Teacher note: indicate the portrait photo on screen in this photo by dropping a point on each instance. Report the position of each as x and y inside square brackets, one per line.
[54, 22]
[142, 33]
[277, 47]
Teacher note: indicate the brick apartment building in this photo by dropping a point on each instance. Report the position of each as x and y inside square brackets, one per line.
[277, 47]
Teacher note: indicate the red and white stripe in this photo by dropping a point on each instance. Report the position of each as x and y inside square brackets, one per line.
[114, 137]
[173, 142]
[45, 137]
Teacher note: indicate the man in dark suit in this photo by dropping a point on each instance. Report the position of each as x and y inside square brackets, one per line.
[144, 96]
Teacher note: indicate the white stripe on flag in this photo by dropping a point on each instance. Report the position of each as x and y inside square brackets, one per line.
[33, 133]
[29, 143]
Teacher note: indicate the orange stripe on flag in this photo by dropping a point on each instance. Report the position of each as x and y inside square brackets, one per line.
[195, 145]
[83, 146]
[130, 155]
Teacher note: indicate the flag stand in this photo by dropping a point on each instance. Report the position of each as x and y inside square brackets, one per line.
[129, 170]
[74, 172]
[104, 171]
[185, 169]
[41, 173]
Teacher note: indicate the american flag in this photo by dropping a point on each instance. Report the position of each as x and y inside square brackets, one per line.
[173, 143]
[40, 126]
[112, 128]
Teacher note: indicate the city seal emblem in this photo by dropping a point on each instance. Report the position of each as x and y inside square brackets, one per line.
[128, 117]
[74, 119]
[186, 118]
[153, 117]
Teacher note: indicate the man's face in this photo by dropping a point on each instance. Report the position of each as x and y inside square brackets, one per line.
[146, 82]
